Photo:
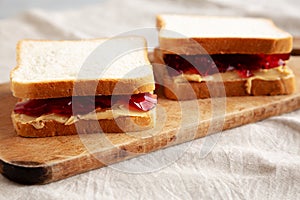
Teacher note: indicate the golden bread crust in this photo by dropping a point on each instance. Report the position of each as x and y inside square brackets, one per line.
[81, 88]
[192, 90]
[55, 128]
[193, 46]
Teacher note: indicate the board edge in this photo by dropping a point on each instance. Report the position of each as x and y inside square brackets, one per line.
[26, 173]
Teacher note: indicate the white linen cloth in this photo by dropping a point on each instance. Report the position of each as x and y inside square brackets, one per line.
[255, 161]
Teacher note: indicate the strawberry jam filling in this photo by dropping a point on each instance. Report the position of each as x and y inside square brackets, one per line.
[84, 104]
[210, 64]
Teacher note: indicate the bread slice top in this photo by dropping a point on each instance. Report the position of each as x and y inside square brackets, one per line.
[194, 34]
[49, 69]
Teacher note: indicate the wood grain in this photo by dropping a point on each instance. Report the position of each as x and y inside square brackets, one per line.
[296, 47]
[44, 160]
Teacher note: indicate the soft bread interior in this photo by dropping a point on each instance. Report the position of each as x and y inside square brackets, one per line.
[110, 66]
[195, 34]
[117, 58]
[193, 26]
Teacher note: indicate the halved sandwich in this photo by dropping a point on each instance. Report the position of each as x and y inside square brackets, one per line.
[70, 87]
[248, 56]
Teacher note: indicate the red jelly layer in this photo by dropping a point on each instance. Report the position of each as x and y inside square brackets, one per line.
[84, 105]
[211, 64]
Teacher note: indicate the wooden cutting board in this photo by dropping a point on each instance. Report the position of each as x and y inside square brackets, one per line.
[44, 160]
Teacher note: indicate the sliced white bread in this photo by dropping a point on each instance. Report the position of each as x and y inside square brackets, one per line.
[194, 34]
[51, 69]
[48, 69]
[55, 125]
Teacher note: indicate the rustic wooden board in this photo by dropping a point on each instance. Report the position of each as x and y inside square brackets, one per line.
[44, 160]
[296, 46]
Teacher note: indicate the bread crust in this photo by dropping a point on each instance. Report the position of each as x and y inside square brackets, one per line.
[230, 45]
[66, 88]
[55, 128]
[192, 90]
[81, 88]
[193, 46]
